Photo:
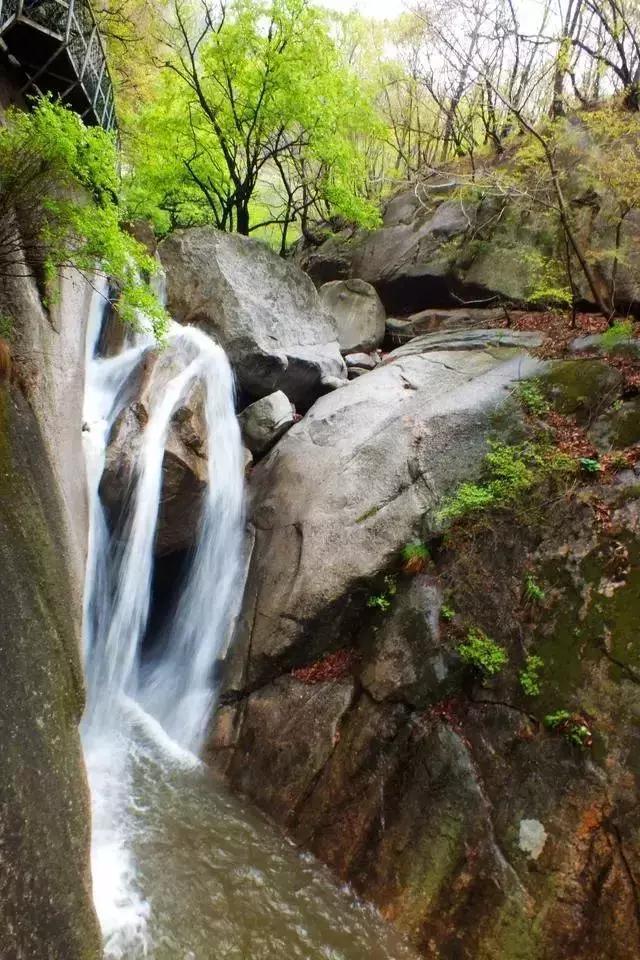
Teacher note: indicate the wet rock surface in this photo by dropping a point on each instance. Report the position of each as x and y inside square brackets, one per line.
[184, 467]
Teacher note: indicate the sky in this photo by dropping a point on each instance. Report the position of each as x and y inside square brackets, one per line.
[381, 9]
[529, 10]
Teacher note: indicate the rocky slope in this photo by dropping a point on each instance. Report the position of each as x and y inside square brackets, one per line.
[45, 899]
[349, 713]
[440, 247]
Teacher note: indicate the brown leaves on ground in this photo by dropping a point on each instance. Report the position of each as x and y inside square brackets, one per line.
[569, 437]
[335, 666]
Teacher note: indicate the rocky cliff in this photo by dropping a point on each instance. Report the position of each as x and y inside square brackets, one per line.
[45, 898]
[433, 679]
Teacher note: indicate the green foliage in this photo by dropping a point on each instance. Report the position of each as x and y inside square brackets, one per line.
[532, 398]
[415, 557]
[482, 653]
[61, 178]
[572, 727]
[447, 612]
[530, 676]
[619, 332]
[382, 601]
[533, 591]
[415, 550]
[510, 471]
[270, 138]
[589, 465]
[6, 326]
[379, 601]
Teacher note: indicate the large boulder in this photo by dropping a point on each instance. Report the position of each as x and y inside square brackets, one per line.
[265, 421]
[358, 313]
[437, 789]
[184, 466]
[351, 483]
[262, 309]
[440, 248]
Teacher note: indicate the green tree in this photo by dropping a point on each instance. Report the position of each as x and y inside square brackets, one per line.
[253, 124]
[59, 207]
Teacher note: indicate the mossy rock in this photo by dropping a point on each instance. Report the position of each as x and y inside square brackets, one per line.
[618, 427]
[582, 388]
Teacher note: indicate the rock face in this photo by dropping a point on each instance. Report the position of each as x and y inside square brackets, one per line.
[265, 421]
[261, 309]
[45, 897]
[358, 313]
[415, 424]
[184, 467]
[436, 250]
[349, 713]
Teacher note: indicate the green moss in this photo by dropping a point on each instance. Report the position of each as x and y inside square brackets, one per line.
[618, 427]
[514, 934]
[431, 865]
[580, 388]
[592, 613]
[367, 515]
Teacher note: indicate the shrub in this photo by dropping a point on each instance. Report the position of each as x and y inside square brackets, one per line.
[482, 653]
[447, 612]
[510, 471]
[620, 331]
[589, 465]
[59, 206]
[415, 557]
[533, 591]
[531, 397]
[530, 676]
[573, 727]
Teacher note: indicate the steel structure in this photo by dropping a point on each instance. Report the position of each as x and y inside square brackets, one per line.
[57, 47]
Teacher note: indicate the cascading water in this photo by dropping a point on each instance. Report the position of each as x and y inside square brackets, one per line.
[180, 870]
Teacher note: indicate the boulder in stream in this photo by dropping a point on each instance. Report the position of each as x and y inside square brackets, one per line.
[265, 421]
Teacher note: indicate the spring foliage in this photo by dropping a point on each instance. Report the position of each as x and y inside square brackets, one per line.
[253, 124]
[59, 203]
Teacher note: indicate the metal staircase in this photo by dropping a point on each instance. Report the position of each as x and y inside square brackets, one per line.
[56, 46]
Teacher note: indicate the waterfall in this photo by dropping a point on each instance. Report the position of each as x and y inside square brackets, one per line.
[169, 698]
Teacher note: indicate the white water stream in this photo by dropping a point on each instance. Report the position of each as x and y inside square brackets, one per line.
[181, 871]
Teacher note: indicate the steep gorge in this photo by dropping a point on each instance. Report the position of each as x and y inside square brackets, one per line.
[345, 708]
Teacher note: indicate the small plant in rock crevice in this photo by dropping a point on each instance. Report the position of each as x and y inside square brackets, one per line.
[482, 653]
[382, 601]
[447, 612]
[532, 590]
[589, 465]
[6, 326]
[530, 676]
[415, 557]
[572, 726]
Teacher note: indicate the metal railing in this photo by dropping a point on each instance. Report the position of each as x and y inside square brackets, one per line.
[73, 25]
